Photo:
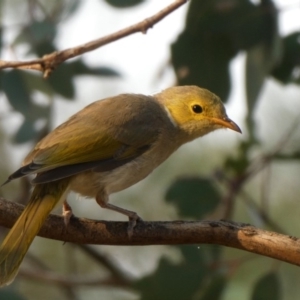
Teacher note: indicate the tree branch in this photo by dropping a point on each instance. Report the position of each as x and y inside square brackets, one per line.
[230, 234]
[49, 62]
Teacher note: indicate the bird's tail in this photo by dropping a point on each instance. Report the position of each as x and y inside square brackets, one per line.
[14, 247]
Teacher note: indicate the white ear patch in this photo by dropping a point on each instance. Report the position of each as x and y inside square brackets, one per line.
[171, 117]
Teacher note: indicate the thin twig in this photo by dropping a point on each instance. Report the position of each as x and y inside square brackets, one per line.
[49, 62]
[236, 184]
[262, 212]
[106, 261]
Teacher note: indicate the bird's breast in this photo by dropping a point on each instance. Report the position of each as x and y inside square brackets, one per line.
[90, 183]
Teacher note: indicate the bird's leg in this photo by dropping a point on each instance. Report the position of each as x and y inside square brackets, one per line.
[67, 212]
[102, 200]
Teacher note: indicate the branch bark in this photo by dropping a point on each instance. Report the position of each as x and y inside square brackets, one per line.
[49, 62]
[230, 234]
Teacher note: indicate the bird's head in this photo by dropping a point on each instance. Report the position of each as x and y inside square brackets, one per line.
[195, 111]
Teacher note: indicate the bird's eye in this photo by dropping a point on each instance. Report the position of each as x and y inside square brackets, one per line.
[197, 109]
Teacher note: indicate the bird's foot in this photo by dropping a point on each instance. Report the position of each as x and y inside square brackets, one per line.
[67, 213]
[133, 219]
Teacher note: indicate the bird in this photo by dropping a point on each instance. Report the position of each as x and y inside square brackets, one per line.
[107, 147]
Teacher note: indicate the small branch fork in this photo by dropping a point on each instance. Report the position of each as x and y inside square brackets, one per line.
[230, 234]
[49, 62]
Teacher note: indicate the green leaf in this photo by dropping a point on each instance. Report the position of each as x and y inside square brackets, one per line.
[62, 81]
[193, 254]
[103, 71]
[251, 24]
[9, 293]
[69, 8]
[197, 254]
[215, 288]
[78, 67]
[39, 35]
[194, 197]
[260, 62]
[42, 30]
[124, 3]
[285, 70]
[184, 280]
[36, 82]
[1, 33]
[16, 90]
[291, 156]
[197, 60]
[267, 287]
[236, 21]
[17, 86]
[215, 252]
[261, 59]
[28, 130]
[25, 133]
[171, 281]
[215, 31]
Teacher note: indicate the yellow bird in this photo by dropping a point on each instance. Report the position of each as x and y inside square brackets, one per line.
[107, 147]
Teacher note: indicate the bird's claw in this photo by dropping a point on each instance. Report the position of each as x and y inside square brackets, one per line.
[133, 219]
[67, 213]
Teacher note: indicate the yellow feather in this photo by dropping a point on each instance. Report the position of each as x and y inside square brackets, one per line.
[19, 238]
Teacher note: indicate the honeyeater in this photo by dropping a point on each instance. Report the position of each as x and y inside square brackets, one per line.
[107, 147]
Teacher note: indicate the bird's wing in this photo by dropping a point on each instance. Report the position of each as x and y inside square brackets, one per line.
[87, 140]
[96, 166]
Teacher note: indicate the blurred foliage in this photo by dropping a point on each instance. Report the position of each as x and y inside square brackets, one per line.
[194, 197]
[8, 293]
[39, 38]
[215, 32]
[124, 3]
[193, 278]
[60, 83]
[287, 69]
[267, 287]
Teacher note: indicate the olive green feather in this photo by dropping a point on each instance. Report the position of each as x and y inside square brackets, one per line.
[19, 238]
[89, 144]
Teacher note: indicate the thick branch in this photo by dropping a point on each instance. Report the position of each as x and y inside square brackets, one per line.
[230, 234]
[49, 62]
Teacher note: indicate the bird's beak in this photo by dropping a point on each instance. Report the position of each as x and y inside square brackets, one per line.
[227, 123]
